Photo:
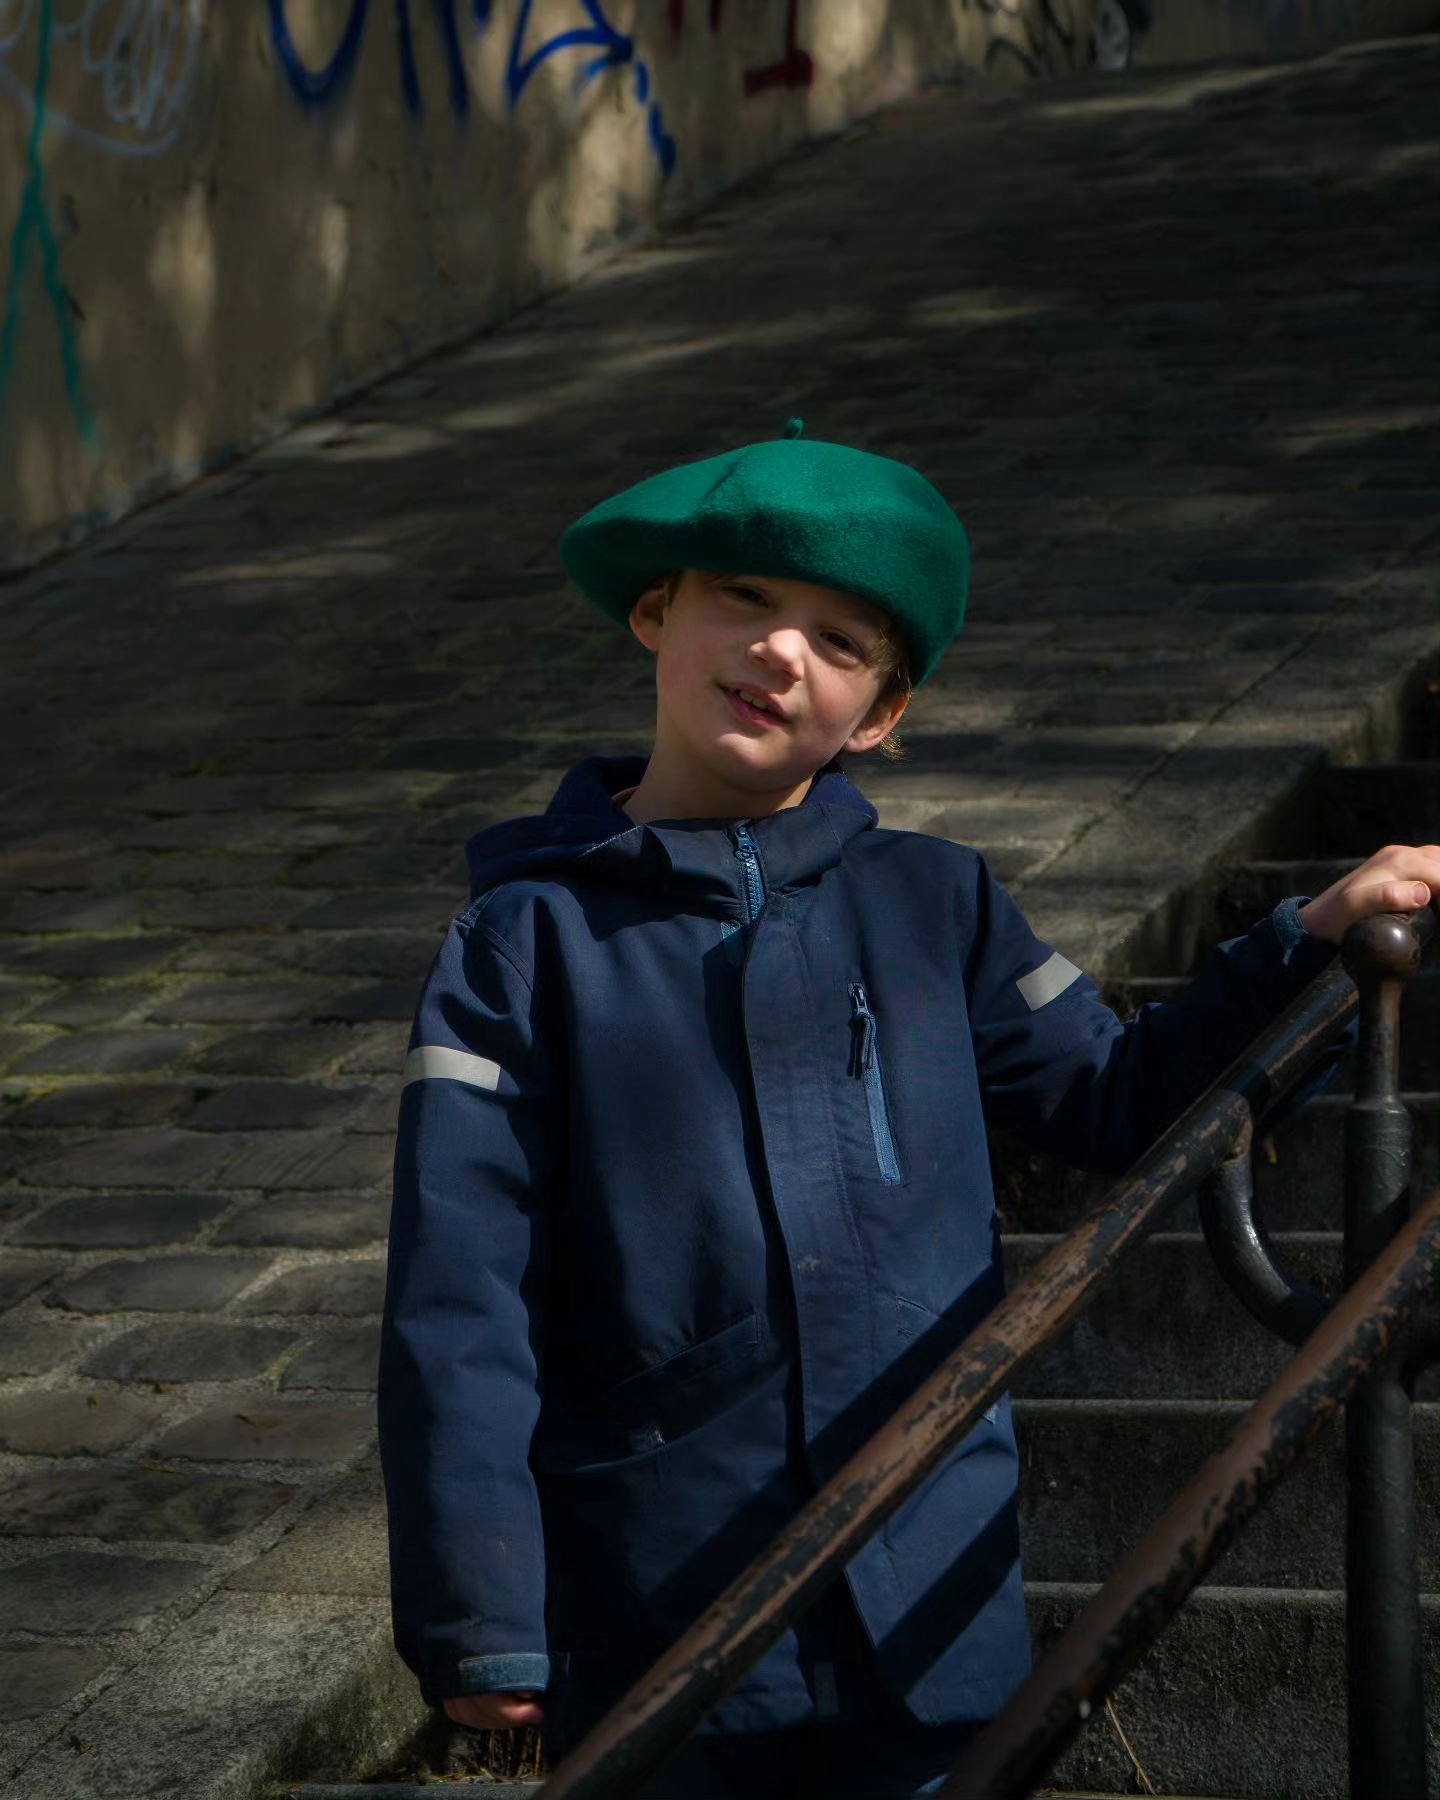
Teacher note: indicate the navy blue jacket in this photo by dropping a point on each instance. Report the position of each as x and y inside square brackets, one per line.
[691, 1189]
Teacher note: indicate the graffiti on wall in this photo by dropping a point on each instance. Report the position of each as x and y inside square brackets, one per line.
[794, 68]
[578, 27]
[138, 59]
[319, 86]
[1044, 37]
[616, 50]
[1120, 26]
[586, 28]
[138, 63]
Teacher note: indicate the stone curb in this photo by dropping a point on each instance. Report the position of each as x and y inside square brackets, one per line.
[1230, 792]
[246, 1692]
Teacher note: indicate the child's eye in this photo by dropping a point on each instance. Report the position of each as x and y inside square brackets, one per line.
[844, 644]
[745, 593]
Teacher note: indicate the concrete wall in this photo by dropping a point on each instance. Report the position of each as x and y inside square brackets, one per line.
[1190, 30]
[223, 213]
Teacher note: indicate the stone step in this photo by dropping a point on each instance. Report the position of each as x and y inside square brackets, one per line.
[1296, 1173]
[1242, 1695]
[1419, 1024]
[414, 1790]
[1167, 1327]
[1364, 807]
[528, 1790]
[1096, 1474]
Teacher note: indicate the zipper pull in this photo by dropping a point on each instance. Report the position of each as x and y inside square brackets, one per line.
[862, 1022]
[747, 855]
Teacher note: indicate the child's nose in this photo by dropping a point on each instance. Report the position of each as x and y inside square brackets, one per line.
[783, 648]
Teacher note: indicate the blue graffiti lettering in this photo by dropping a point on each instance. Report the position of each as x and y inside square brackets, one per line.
[405, 55]
[323, 85]
[318, 85]
[454, 58]
[615, 50]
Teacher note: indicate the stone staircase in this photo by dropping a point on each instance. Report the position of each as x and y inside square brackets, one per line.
[1245, 1693]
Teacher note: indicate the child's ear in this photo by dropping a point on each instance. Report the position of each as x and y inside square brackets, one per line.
[647, 615]
[878, 723]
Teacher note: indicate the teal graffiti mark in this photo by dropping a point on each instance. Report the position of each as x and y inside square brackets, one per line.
[33, 222]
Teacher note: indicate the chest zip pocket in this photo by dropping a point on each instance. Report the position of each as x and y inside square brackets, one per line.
[865, 1065]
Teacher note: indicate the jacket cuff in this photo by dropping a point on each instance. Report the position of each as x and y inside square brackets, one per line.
[503, 1674]
[1298, 949]
[1286, 922]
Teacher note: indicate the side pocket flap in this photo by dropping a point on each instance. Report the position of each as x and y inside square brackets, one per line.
[686, 1375]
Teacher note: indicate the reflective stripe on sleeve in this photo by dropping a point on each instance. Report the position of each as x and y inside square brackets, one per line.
[434, 1062]
[1044, 983]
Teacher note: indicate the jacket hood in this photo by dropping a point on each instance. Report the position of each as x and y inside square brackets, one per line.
[583, 822]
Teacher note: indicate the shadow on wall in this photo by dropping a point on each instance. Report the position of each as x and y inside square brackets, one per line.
[221, 217]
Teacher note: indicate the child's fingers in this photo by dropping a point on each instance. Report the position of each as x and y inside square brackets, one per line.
[523, 1712]
[1383, 897]
[496, 1712]
[463, 1712]
[1398, 878]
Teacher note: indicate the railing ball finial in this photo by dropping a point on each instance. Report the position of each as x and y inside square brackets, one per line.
[1385, 947]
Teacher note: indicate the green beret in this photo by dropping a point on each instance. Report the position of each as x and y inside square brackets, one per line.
[791, 506]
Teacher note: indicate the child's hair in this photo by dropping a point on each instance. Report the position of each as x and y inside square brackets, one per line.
[894, 664]
[891, 659]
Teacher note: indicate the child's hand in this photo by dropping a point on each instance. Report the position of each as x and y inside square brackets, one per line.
[1396, 879]
[497, 1712]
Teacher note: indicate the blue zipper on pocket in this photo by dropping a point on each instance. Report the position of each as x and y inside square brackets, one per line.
[752, 881]
[865, 1063]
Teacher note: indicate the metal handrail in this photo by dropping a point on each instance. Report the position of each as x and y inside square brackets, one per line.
[1149, 1586]
[660, 1710]
[1382, 1613]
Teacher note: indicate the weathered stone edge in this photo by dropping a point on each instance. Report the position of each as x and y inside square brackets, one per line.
[251, 1691]
[1290, 724]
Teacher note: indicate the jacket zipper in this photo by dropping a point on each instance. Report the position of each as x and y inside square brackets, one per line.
[752, 883]
[865, 1063]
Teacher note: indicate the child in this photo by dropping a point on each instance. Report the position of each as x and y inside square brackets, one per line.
[691, 1183]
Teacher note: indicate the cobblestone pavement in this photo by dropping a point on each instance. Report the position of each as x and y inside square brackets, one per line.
[1168, 341]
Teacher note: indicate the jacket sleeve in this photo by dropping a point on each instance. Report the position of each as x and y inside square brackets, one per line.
[475, 1167]
[1059, 1070]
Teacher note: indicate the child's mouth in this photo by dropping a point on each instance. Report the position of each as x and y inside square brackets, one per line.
[749, 710]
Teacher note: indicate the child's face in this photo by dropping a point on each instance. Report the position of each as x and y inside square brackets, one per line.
[760, 681]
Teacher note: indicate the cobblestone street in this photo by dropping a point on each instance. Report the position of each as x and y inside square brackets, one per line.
[1168, 342]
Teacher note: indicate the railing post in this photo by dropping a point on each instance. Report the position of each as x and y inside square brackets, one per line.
[1244, 1253]
[1150, 1585]
[1382, 1606]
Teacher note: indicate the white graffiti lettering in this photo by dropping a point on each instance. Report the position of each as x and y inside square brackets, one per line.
[140, 57]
